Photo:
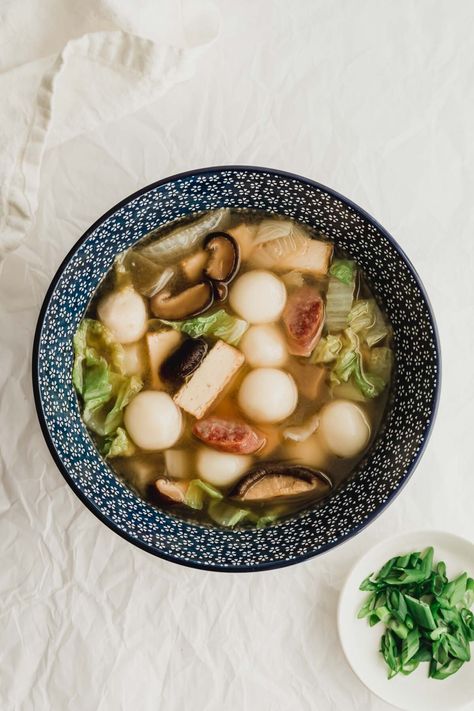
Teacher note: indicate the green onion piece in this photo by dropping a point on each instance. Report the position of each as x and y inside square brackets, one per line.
[390, 653]
[421, 612]
[368, 584]
[385, 570]
[448, 591]
[367, 607]
[437, 585]
[383, 613]
[458, 647]
[447, 669]
[438, 632]
[409, 667]
[426, 616]
[441, 569]
[423, 655]
[398, 606]
[398, 628]
[467, 618]
[410, 645]
[440, 650]
[469, 596]
[402, 561]
[459, 589]
[427, 559]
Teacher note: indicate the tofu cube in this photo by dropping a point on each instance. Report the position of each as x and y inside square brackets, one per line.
[310, 379]
[160, 345]
[244, 235]
[209, 380]
[315, 260]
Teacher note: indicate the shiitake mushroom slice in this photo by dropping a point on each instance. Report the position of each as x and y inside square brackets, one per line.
[224, 257]
[184, 360]
[190, 302]
[171, 491]
[271, 480]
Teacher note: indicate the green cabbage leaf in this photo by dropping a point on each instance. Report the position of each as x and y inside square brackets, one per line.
[327, 349]
[344, 270]
[118, 444]
[365, 319]
[219, 324]
[199, 492]
[339, 299]
[349, 366]
[99, 380]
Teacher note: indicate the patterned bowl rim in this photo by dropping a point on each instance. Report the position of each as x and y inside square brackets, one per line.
[167, 556]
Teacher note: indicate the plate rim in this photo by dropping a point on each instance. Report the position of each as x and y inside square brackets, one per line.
[272, 565]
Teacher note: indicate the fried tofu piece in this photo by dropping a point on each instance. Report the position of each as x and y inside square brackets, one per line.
[244, 235]
[206, 384]
[160, 345]
[310, 379]
[315, 260]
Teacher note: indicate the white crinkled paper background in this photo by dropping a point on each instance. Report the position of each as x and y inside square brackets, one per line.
[375, 99]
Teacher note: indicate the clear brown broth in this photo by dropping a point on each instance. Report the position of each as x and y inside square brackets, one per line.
[140, 471]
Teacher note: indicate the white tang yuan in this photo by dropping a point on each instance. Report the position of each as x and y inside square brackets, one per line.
[124, 313]
[344, 428]
[268, 395]
[153, 421]
[221, 468]
[258, 296]
[264, 346]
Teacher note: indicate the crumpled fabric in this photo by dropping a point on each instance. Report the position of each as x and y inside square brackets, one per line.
[373, 98]
[94, 78]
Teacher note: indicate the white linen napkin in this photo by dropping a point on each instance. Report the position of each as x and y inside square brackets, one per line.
[114, 59]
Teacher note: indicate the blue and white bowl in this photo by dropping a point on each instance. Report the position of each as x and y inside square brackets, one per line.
[392, 457]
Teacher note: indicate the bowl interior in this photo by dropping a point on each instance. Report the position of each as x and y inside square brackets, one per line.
[378, 477]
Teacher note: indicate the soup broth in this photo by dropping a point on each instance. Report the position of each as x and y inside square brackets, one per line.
[233, 368]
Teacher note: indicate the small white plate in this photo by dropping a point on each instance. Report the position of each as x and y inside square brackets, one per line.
[361, 643]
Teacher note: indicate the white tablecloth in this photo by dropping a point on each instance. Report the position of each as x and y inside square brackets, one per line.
[374, 98]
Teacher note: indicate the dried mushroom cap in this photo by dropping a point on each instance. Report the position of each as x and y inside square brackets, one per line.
[190, 302]
[224, 257]
[193, 265]
[184, 360]
[276, 480]
[172, 490]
